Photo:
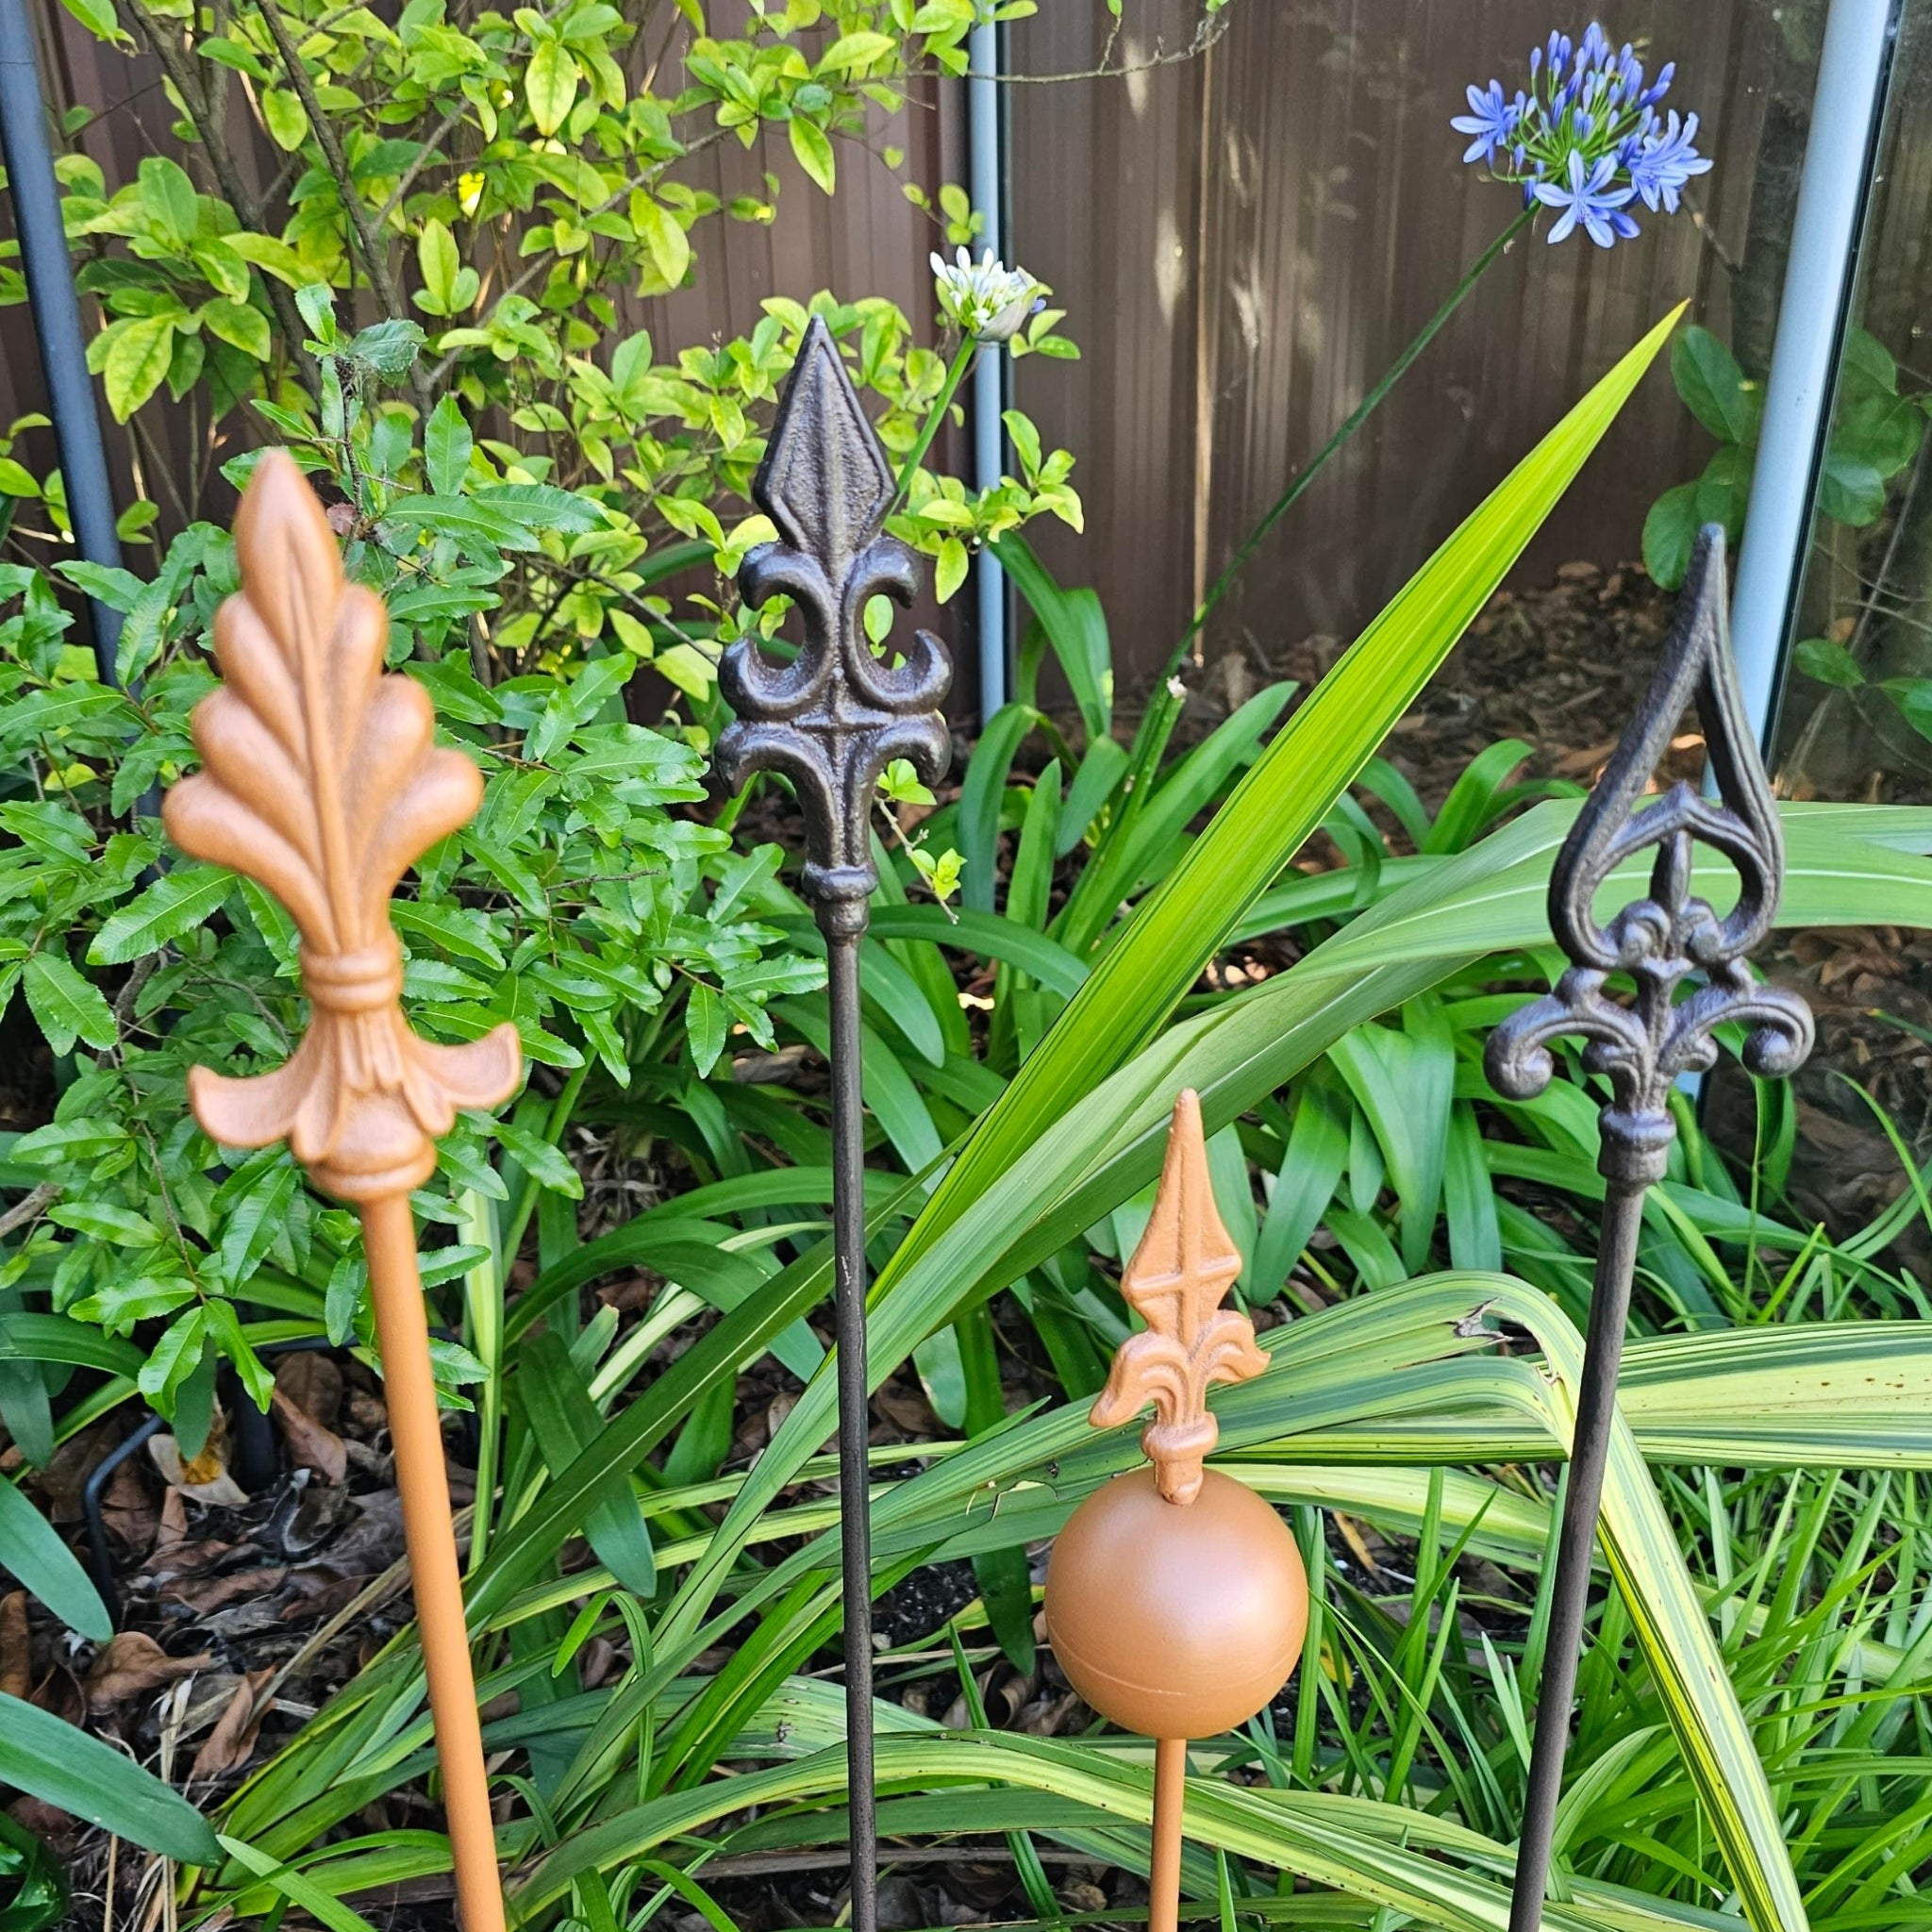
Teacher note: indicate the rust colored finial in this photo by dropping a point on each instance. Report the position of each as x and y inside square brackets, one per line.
[1185, 1263]
[324, 784]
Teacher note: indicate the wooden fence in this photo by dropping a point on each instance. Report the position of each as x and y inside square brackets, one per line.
[1243, 239]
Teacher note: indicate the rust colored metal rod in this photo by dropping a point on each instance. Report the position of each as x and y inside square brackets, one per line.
[395, 1287]
[1164, 1872]
[1590, 1449]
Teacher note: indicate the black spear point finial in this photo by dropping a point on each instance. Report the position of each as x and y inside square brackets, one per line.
[834, 718]
[1672, 933]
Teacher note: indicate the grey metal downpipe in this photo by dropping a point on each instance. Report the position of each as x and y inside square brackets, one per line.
[1847, 109]
[985, 170]
[56, 316]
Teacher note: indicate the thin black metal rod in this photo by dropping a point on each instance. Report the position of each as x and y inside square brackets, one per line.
[855, 1414]
[1687, 963]
[1589, 1450]
[831, 721]
[49, 274]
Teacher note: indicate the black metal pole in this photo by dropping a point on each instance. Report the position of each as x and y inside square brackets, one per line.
[56, 316]
[855, 1412]
[1670, 942]
[830, 721]
[1609, 1308]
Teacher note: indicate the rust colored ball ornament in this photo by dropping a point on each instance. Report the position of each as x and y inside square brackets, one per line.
[1176, 1619]
[1175, 1598]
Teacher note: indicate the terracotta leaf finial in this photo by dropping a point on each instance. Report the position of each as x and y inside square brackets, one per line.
[323, 783]
[1185, 1263]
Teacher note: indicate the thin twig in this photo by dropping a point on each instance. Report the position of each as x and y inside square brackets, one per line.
[369, 246]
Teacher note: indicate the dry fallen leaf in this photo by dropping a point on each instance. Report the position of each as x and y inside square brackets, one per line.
[131, 1664]
[217, 1590]
[194, 1480]
[310, 1444]
[128, 1510]
[313, 1383]
[173, 1530]
[16, 1646]
[230, 1744]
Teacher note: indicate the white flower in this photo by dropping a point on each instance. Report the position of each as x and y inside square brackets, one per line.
[987, 301]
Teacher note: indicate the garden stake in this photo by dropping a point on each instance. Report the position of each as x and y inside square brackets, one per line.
[1662, 940]
[322, 782]
[830, 721]
[1175, 1598]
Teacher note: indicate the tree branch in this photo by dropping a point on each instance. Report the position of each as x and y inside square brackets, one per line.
[369, 245]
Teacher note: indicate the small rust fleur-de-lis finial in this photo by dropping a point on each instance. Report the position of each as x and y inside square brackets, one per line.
[323, 783]
[1185, 1263]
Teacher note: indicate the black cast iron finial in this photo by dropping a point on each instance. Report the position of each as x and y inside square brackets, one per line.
[831, 721]
[1669, 936]
[1672, 933]
[834, 718]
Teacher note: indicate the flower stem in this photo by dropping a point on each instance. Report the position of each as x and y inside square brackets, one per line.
[1357, 417]
[956, 375]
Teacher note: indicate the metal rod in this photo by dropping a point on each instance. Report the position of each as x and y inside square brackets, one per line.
[49, 274]
[1687, 963]
[1847, 109]
[830, 721]
[1590, 1449]
[986, 158]
[363, 1098]
[1164, 1867]
[855, 1414]
[408, 1380]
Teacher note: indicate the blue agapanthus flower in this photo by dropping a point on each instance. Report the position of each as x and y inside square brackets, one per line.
[1585, 136]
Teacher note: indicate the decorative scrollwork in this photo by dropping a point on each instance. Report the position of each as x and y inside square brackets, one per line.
[834, 718]
[323, 782]
[1186, 1261]
[1671, 934]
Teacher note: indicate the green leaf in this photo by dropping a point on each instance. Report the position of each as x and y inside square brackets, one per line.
[286, 119]
[121, 1227]
[297, 1888]
[1851, 488]
[1669, 532]
[98, 17]
[136, 359]
[669, 245]
[814, 149]
[550, 85]
[951, 570]
[236, 324]
[67, 1005]
[446, 446]
[44, 1565]
[705, 1025]
[545, 1165]
[60, 1339]
[1713, 387]
[176, 903]
[1829, 663]
[438, 262]
[64, 1767]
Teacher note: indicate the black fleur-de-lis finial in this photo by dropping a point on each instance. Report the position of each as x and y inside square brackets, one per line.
[1664, 939]
[834, 718]
[830, 721]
